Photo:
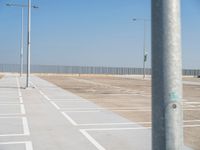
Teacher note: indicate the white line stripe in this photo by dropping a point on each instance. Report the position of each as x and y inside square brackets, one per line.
[130, 110]
[11, 117]
[11, 114]
[191, 120]
[68, 99]
[25, 126]
[45, 96]
[29, 146]
[41, 92]
[117, 123]
[7, 135]
[92, 140]
[69, 119]
[10, 104]
[112, 129]
[55, 105]
[8, 143]
[83, 111]
[192, 102]
[21, 99]
[22, 109]
[189, 126]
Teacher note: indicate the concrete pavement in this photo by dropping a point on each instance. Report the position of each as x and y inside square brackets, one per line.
[46, 117]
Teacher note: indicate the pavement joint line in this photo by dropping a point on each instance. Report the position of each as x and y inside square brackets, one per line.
[28, 144]
[24, 124]
[92, 140]
[69, 119]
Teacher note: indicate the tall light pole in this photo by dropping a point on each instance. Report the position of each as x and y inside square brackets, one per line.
[22, 6]
[22, 44]
[22, 34]
[167, 115]
[28, 44]
[144, 44]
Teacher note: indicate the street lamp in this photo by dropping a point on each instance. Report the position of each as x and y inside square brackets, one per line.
[144, 44]
[22, 6]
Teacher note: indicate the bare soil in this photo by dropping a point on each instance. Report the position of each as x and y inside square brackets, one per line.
[109, 92]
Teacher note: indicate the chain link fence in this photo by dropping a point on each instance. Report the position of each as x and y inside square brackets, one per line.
[86, 70]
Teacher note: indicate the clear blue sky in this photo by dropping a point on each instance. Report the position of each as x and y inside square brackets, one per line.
[92, 32]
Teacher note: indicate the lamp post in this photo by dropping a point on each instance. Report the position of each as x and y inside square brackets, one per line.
[22, 6]
[28, 44]
[144, 44]
[167, 111]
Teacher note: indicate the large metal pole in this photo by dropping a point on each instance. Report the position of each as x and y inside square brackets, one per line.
[167, 117]
[28, 43]
[144, 50]
[22, 44]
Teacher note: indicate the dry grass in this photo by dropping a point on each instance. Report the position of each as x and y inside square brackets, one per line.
[108, 91]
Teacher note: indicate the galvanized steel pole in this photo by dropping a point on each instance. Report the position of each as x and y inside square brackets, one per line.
[167, 124]
[22, 44]
[144, 50]
[144, 44]
[28, 43]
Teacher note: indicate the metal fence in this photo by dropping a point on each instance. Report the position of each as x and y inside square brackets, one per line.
[85, 70]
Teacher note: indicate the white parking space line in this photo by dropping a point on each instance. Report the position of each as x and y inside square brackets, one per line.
[22, 109]
[99, 124]
[21, 99]
[92, 140]
[69, 119]
[24, 125]
[55, 105]
[68, 100]
[28, 144]
[73, 122]
[82, 111]
[45, 96]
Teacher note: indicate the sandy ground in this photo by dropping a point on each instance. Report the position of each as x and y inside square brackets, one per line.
[124, 94]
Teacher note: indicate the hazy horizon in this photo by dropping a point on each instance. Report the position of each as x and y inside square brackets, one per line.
[91, 33]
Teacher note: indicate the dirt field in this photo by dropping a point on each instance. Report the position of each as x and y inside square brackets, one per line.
[131, 98]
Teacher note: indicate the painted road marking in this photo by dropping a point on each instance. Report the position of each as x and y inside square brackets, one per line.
[24, 125]
[28, 144]
[69, 119]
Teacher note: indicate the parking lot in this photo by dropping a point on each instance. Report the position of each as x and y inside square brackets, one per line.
[131, 98]
[92, 114]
